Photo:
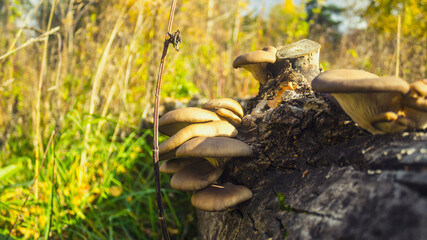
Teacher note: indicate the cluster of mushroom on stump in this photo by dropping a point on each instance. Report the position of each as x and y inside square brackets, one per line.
[201, 142]
[201, 139]
[377, 104]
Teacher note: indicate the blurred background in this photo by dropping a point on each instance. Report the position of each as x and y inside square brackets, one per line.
[77, 77]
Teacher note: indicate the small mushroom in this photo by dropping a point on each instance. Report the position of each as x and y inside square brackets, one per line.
[219, 198]
[374, 103]
[195, 176]
[415, 103]
[230, 116]
[226, 103]
[216, 150]
[175, 164]
[209, 129]
[175, 120]
[256, 62]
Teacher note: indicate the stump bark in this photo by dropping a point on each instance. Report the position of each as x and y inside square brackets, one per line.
[316, 175]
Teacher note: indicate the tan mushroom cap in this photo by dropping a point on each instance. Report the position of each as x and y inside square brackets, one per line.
[175, 120]
[214, 147]
[175, 164]
[357, 81]
[297, 49]
[417, 97]
[367, 98]
[209, 129]
[227, 103]
[256, 63]
[195, 176]
[416, 104]
[220, 198]
[229, 115]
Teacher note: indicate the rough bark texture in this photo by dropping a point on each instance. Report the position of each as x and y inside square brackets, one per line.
[316, 175]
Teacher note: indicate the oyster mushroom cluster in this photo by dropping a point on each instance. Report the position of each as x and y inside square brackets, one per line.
[267, 63]
[378, 104]
[200, 143]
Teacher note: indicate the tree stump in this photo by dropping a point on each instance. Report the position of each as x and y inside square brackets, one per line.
[316, 175]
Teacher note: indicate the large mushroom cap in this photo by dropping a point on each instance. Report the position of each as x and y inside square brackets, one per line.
[297, 49]
[214, 147]
[368, 99]
[175, 164]
[256, 63]
[195, 176]
[226, 103]
[209, 129]
[357, 81]
[175, 120]
[220, 198]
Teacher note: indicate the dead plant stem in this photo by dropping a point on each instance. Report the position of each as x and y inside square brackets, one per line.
[156, 125]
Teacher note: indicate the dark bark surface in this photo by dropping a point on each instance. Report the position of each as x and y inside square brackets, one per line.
[316, 175]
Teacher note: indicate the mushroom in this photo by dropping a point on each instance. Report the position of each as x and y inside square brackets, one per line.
[195, 176]
[256, 62]
[374, 103]
[219, 198]
[217, 150]
[303, 55]
[175, 164]
[209, 129]
[230, 116]
[415, 103]
[226, 103]
[175, 120]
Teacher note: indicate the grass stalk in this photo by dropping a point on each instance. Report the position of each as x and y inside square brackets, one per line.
[94, 94]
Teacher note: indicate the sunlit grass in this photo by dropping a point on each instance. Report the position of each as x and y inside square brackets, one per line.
[115, 200]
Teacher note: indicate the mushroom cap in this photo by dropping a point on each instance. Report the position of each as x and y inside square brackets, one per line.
[357, 81]
[175, 120]
[417, 97]
[256, 63]
[255, 57]
[229, 115]
[297, 49]
[220, 198]
[214, 147]
[209, 129]
[227, 103]
[195, 176]
[175, 164]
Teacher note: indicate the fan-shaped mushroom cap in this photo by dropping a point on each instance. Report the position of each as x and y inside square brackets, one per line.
[175, 120]
[220, 198]
[214, 147]
[229, 115]
[195, 176]
[256, 62]
[357, 81]
[209, 129]
[175, 164]
[227, 103]
[216, 150]
[366, 98]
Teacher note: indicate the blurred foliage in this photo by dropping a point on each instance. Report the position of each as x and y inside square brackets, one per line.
[91, 82]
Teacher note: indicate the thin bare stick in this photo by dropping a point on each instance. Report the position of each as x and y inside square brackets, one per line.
[174, 39]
